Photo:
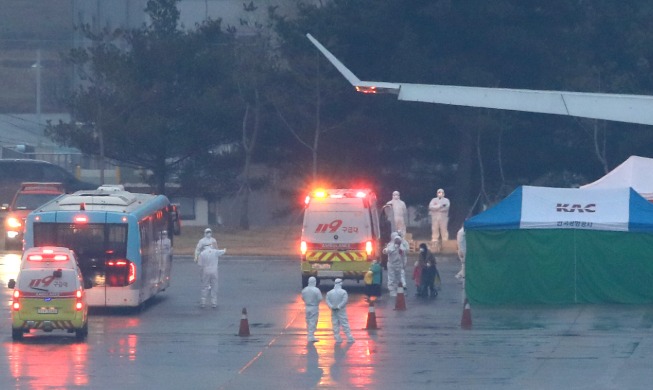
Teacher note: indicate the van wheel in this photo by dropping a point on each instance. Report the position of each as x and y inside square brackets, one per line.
[81, 333]
[16, 334]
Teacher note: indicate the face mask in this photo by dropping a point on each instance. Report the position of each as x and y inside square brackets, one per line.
[422, 250]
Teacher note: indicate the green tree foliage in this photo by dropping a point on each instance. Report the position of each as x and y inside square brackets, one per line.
[477, 155]
[214, 104]
[154, 97]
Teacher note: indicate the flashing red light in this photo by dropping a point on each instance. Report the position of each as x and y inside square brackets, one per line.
[303, 247]
[132, 273]
[16, 304]
[369, 248]
[123, 272]
[362, 89]
[79, 305]
[47, 257]
[81, 219]
[361, 194]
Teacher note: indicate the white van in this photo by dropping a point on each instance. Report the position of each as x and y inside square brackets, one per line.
[49, 293]
[340, 235]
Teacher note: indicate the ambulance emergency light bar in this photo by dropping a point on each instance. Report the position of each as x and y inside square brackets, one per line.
[335, 194]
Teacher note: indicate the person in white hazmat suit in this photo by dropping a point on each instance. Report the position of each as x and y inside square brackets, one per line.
[439, 211]
[312, 297]
[462, 252]
[205, 241]
[208, 262]
[405, 246]
[399, 213]
[397, 259]
[336, 299]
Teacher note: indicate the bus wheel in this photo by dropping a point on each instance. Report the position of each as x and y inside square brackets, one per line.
[16, 334]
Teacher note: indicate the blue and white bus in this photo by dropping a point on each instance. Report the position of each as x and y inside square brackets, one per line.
[123, 241]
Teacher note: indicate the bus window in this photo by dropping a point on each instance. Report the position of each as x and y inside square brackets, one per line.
[94, 244]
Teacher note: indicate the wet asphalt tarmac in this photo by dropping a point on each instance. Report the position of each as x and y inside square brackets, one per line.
[175, 344]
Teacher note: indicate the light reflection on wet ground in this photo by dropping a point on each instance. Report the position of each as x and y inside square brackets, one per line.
[174, 344]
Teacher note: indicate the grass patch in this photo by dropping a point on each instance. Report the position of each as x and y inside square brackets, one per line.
[267, 241]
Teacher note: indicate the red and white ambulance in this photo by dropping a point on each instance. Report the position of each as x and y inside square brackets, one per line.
[340, 235]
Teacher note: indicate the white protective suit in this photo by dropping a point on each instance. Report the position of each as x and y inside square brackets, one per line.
[406, 248]
[399, 213]
[208, 262]
[397, 259]
[312, 297]
[205, 241]
[462, 252]
[439, 211]
[336, 299]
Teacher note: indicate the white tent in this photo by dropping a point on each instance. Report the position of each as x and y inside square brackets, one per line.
[635, 172]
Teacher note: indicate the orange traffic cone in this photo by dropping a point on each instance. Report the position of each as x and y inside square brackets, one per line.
[244, 324]
[371, 317]
[466, 321]
[400, 302]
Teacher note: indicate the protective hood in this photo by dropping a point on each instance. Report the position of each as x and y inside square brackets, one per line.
[312, 282]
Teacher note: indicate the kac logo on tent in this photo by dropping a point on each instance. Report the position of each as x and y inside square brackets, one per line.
[570, 208]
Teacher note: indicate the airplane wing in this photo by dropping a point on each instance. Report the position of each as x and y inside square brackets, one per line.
[613, 107]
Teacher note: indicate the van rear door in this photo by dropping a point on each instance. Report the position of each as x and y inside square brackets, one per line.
[336, 234]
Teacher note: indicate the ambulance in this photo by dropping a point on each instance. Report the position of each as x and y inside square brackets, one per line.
[49, 294]
[340, 234]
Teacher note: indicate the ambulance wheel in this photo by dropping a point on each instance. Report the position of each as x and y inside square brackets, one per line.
[16, 334]
[81, 333]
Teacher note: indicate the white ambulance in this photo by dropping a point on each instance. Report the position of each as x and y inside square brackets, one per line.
[340, 235]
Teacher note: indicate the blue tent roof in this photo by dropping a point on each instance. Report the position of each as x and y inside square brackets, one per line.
[621, 209]
[505, 215]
